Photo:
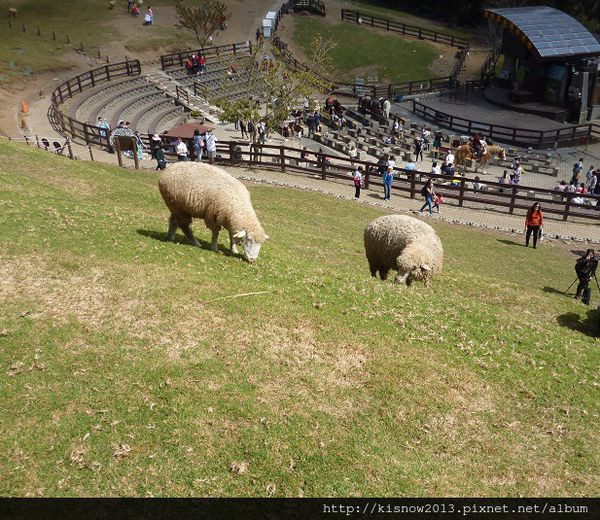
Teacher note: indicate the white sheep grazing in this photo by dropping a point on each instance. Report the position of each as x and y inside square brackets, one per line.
[404, 244]
[195, 190]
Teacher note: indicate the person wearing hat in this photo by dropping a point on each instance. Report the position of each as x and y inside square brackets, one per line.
[211, 146]
[155, 141]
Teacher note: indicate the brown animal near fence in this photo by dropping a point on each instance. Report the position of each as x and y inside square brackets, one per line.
[463, 152]
[12, 12]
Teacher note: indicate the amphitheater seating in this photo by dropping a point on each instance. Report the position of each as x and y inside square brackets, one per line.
[82, 106]
[111, 104]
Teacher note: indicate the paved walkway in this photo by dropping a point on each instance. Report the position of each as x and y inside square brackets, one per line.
[477, 215]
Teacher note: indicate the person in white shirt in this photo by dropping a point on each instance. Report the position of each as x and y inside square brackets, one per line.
[182, 151]
[386, 108]
[211, 146]
[358, 181]
[435, 169]
[450, 157]
[592, 183]
[391, 162]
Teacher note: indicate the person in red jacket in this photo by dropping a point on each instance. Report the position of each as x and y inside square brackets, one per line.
[533, 223]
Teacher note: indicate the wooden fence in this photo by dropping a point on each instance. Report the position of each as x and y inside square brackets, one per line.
[508, 197]
[408, 30]
[391, 90]
[575, 135]
[75, 129]
[284, 158]
[178, 59]
[312, 6]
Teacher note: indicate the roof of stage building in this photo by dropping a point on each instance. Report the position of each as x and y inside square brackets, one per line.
[548, 32]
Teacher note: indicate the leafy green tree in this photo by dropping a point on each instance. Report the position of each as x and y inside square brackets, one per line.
[275, 87]
[202, 19]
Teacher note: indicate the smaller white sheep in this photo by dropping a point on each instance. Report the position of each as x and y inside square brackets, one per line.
[405, 244]
[195, 190]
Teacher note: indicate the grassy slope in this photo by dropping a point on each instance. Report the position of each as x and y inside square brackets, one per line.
[82, 20]
[87, 22]
[333, 384]
[394, 59]
[401, 16]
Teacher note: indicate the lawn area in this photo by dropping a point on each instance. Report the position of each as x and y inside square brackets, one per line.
[126, 367]
[23, 53]
[361, 52]
[408, 18]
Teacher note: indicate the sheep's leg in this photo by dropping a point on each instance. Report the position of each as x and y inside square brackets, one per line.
[184, 224]
[383, 272]
[233, 246]
[215, 228]
[372, 268]
[172, 228]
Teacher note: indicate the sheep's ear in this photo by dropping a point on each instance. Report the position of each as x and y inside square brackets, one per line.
[240, 234]
[267, 237]
[425, 267]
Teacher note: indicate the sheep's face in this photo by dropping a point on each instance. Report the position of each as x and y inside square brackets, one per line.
[250, 243]
[421, 272]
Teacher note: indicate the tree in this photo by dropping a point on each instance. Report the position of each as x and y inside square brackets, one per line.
[276, 87]
[203, 19]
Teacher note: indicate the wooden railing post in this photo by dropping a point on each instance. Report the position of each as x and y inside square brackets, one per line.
[413, 184]
[70, 149]
[567, 207]
[461, 194]
[118, 150]
[367, 177]
[282, 158]
[323, 166]
[134, 146]
[513, 198]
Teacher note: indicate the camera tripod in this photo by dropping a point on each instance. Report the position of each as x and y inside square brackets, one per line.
[577, 279]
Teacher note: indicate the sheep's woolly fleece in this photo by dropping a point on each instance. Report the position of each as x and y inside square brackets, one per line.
[209, 192]
[404, 244]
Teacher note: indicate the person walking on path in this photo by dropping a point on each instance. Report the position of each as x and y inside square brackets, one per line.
[533, 224]
[161, 162]
[428, 192]
[388, 178]
[358, 182]
[211, 146]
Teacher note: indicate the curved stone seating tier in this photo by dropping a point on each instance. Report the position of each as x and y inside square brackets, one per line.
[107, 106]
[220, 64]
[130, 107]
[167, 119]
[84, 105]
[141, 121]
[214, 87]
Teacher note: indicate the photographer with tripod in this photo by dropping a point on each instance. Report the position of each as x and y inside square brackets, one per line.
[585, 269]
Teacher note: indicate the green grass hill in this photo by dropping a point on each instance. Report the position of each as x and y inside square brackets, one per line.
[129, 367]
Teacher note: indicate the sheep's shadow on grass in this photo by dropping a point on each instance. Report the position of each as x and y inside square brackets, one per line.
[182, 240]
[590, 326]
[510, 242]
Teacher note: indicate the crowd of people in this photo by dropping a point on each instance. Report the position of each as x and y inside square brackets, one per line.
[581, 185]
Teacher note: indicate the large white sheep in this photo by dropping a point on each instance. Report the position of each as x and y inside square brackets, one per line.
[404, 244]
[195, 190]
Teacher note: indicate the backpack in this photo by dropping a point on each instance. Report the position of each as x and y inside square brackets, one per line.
[424, 190]
[585, 298]
[357, 181]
